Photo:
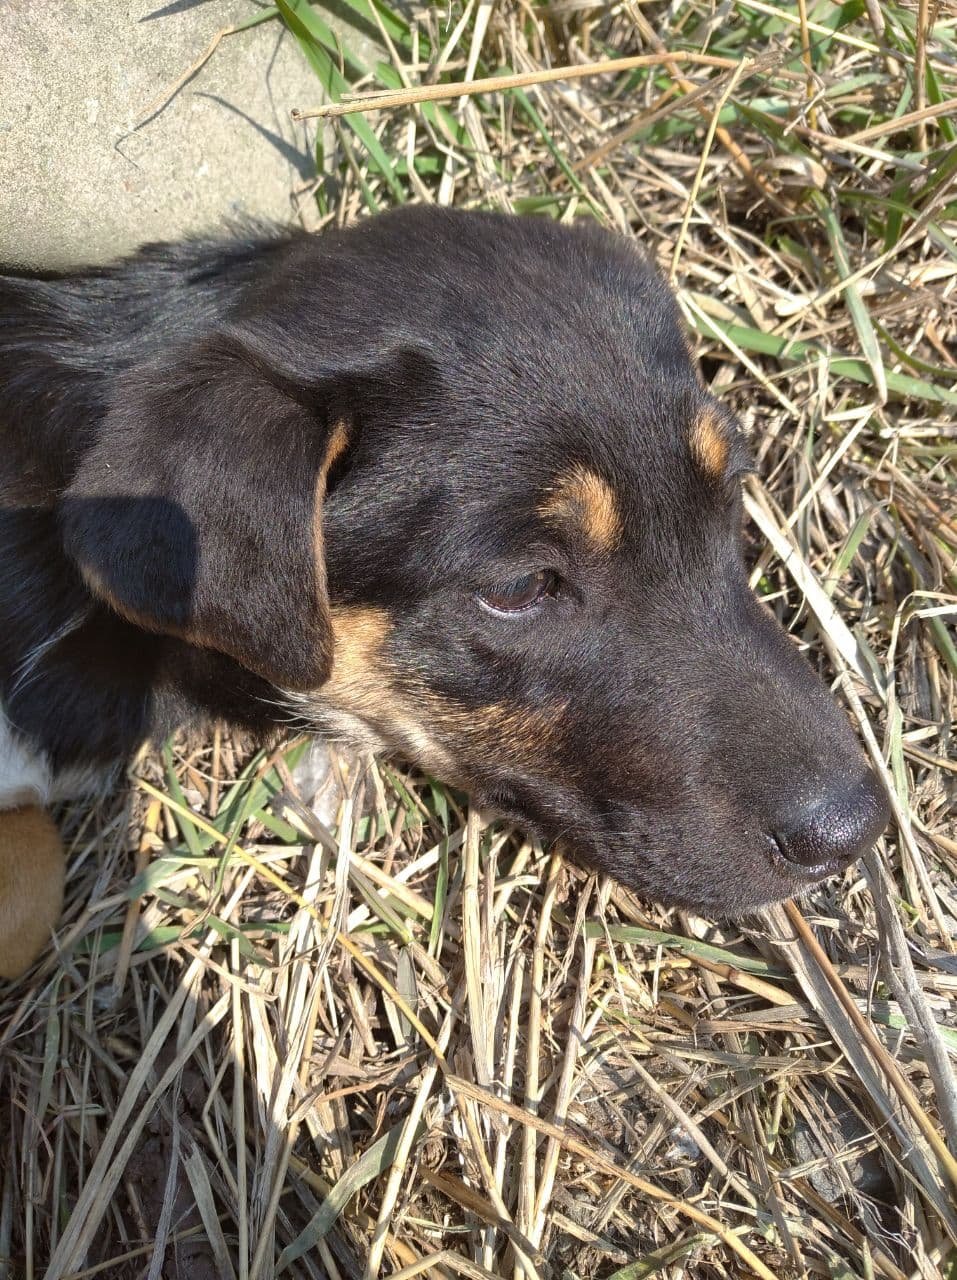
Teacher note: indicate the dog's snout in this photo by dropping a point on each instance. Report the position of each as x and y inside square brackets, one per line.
[821, 834]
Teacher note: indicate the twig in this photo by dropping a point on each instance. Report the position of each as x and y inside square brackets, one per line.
[865, 1031]
[739, 71]
[382, 101]
[158, 103]
[946, 108]
[745, 167]
[924, 23]
[596, 1160]
[806, 58]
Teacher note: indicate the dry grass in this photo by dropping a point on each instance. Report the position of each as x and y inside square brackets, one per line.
[408, 1045]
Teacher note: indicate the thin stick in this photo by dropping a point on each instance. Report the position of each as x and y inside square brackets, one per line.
[380, 1234]
[924, 22]
[739, 71]
[806, 58]
[239, 1114]
[533, 1095]
[745, 167]
[864, 1029]
[143, 851]
[382, 101]
[946, 108]
[595, 1160]
[158, 103]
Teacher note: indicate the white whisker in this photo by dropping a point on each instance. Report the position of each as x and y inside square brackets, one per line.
[27, 669]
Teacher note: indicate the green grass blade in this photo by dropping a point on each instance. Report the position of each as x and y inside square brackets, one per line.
[791, 351]
[317, 41]
[371, 1164]
[852, 294]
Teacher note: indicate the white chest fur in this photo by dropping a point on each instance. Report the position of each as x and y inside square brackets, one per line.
[24, 774]
[27, 779]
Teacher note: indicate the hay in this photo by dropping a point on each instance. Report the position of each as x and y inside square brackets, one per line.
[408, 1045]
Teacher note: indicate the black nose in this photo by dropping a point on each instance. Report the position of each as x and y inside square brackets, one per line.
[829, 831]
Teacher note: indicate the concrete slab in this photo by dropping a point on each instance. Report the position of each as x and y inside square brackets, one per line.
[79, 184]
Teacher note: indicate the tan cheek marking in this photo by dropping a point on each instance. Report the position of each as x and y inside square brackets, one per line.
[501, 731]
[359, 679]
[439, 732]
[364, 684]
[585, 501]
[526, 727]
[709, 443]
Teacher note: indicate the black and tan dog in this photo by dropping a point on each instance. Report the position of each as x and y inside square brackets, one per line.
[442, 483]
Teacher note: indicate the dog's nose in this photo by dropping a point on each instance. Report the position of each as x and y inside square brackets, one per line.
[828, 832]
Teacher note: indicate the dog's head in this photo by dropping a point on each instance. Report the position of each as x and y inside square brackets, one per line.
[451, 483]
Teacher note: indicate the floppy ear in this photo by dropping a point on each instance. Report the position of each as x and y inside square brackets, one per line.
[197, 513]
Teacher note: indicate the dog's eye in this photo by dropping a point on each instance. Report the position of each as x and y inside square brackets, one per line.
[523, 593]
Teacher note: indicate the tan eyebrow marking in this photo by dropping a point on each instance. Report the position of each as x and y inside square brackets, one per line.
[583, 499]
[709, 442]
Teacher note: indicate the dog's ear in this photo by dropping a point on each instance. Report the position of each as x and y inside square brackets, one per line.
[198, 512]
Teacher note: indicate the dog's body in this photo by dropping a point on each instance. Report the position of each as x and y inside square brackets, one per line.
[442, 483]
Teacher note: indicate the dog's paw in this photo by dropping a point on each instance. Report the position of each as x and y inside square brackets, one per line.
[31, 886]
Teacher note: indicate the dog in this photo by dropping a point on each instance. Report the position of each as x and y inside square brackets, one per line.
[445, 484]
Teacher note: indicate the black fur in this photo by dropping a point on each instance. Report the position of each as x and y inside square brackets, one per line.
[166, 428]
